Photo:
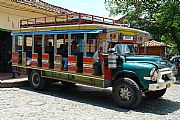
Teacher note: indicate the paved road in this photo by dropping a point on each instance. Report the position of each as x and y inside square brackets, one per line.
[81, 103]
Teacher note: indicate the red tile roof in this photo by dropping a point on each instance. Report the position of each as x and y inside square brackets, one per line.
[154, 43]
[46, 6]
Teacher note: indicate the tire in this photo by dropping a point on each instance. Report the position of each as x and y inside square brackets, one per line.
[126, 93]
[36, 81]
[68, 84]
[155, 94]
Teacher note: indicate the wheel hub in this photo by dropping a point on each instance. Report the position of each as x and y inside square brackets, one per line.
[125, 93]
[35, 79]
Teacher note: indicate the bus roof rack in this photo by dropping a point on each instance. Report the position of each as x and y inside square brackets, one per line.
[68, 19]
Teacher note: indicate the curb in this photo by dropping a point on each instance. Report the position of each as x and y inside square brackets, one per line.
[14, 83]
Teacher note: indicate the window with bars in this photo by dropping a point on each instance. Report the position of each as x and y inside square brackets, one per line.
[91, 43]
[29, 41]
[19, 40]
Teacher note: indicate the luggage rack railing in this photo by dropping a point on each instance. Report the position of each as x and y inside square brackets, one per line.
[69, 19]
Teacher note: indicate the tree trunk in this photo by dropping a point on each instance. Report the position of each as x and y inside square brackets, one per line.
[176, 39]
[178, 46]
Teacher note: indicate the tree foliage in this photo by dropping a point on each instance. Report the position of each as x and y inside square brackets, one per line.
[168, 20]
[160, 17]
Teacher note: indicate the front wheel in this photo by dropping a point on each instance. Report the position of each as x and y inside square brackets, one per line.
[155, 94]
[126, 93]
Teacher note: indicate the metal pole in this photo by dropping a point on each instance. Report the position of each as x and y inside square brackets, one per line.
[69, 44]
[43, 46]
[55, 44]
[145, 48]
[85, 43]
[22, 43]
[32, 43]
[13, 43]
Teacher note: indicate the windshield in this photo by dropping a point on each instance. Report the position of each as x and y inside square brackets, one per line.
[123, 49]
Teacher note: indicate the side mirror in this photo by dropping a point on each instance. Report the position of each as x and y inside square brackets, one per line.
[122, 58]
[120, 61]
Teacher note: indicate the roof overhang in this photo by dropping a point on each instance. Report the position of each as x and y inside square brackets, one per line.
[57, 32]
[123, 30]
[5, 30]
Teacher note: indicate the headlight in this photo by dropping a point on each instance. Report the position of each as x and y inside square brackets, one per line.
[152, 71]
[174, 70]
[173, 67]
[154, 74]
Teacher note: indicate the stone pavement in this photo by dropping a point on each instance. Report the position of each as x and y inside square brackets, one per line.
[18, 101]
[82, 103]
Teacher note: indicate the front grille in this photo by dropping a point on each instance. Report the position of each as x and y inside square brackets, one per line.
[165, 78]
[165, 74]
[162, 66]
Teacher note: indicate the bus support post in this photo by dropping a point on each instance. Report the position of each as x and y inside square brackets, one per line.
[43, 48]
[55, 43]
[22, 43]
[85, 43]
[69, 44]
[13, 43]
[33, 43]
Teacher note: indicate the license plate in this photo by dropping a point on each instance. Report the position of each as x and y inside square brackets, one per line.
[168, 85]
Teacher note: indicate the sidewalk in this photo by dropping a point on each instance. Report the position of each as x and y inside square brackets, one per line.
[5, 76]
[6, 80]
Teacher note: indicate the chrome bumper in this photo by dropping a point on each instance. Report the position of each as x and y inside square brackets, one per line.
[161, 84]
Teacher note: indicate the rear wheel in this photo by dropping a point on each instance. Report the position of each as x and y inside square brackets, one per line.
[155, 94]
[126, 93]
[36, 81]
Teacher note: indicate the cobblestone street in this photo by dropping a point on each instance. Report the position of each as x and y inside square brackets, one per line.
[81, 103]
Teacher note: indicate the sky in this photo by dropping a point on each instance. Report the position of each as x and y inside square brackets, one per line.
[94, 7]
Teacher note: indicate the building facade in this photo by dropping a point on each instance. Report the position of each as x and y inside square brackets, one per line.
[11, 12]
[153, 47]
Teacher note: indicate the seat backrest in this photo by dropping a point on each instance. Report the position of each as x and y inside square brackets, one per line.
[89, 54]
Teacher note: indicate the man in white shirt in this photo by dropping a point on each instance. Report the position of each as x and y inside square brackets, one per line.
[96, 57]
[97, 62]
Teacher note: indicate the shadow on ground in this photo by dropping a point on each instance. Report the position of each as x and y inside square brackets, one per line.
[103, 98]
[160, 106]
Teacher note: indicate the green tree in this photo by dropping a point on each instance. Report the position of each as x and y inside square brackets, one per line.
[168, 20]
[160, 17]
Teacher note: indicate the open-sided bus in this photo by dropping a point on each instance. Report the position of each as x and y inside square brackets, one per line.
[89, 50]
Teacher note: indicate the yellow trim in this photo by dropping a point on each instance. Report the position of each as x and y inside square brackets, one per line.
[128, 32]
[88, 27]
[124, 30]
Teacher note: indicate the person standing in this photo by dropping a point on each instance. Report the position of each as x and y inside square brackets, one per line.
[97, 62]
[14, 72]
[65, 56]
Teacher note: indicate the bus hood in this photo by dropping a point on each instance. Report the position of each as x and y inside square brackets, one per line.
[156, 60]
